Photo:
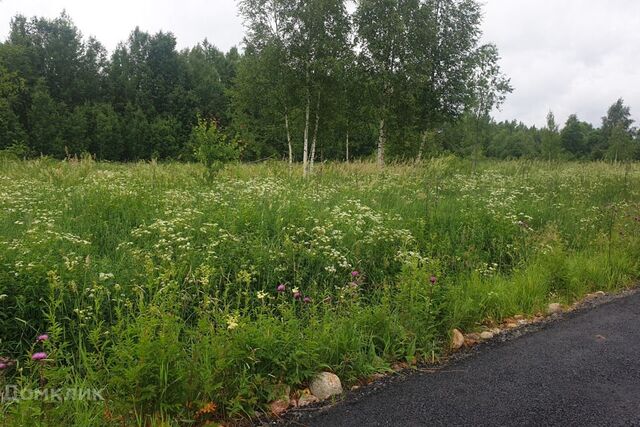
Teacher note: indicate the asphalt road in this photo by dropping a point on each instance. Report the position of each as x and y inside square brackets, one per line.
[582, 370]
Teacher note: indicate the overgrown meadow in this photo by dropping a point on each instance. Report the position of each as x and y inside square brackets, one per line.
[186, 299]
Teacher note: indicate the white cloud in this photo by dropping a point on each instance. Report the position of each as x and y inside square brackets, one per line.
[111, 21]
[569, 56]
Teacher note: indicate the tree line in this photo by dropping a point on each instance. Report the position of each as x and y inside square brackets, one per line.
[62, 95]
[615, 140]
[317, 80]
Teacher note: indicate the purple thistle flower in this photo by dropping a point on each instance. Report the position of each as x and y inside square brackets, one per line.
[355, 273]
[281, 288]
[297, 295]
[39, 356]
[307, 300]
[3, 366]
[433, 280]
[43, 337]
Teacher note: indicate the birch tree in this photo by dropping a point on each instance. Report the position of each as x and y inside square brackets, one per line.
[270, 25]
[445, 61]
[489, 90]
[383, 28]
[320, 45]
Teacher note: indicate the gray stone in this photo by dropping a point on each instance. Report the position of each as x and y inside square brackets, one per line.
[306, 400]
[554, 308]
[457, 339]
[326, 385]
[279, 407]
[486, 335]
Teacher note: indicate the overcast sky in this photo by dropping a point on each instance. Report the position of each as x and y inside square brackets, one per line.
[562, 55]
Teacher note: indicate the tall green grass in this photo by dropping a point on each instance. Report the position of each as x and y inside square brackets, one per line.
[159, 286]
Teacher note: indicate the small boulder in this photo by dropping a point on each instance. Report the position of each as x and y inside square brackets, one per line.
[278, 407]
[554, 308]
[457, 339]
[470, 342]
[326, 385]
[305, 399]
[486, 335]
[376, 377]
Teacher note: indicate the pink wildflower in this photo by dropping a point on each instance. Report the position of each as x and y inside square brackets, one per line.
[39, 356]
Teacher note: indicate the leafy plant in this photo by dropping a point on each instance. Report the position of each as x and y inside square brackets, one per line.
[185, 301]
[212, 147]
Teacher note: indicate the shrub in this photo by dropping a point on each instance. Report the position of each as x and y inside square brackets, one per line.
[212, 147]
[15, 152]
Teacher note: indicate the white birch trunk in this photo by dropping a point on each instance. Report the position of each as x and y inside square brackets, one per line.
[315, 136]
[305, 148]
[381, 143]
[423, 143]
[347, 146]
[286, 124]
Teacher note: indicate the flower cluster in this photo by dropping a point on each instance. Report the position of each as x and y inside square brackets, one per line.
[37, 356]
[40, 355]
[295, 292]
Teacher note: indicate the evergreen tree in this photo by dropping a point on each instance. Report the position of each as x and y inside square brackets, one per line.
[551, 142]
[574, 137]
[12, 88]
[44, 120]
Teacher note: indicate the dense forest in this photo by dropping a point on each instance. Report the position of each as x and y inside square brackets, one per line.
[314, 81]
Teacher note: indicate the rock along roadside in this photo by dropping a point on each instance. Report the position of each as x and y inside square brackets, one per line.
[584, 370]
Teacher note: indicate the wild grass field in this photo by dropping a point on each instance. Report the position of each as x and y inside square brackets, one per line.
[185, 299]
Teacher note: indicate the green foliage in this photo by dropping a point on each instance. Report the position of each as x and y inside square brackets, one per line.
[15, 152]
[212, 147]
[574, 136]
[148, 361]
[621, 145]
[161, 290]
[550, 142]
[61, 95]
[44, 121]
[418, 84]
